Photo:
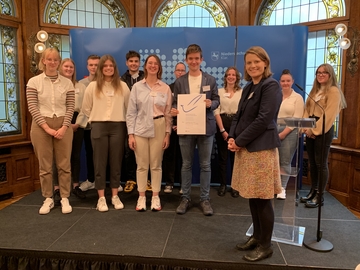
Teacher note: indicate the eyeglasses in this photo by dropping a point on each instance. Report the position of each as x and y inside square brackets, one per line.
[322, 73]
[180, 70]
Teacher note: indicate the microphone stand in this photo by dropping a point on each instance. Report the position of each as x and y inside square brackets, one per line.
[319, 244]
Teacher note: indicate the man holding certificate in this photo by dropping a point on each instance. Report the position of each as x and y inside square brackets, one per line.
[195, 99]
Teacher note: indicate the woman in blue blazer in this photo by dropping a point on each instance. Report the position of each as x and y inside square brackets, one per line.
[254, 139]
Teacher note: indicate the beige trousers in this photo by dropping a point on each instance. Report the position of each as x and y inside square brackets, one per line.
[47, 149]
[149, 153]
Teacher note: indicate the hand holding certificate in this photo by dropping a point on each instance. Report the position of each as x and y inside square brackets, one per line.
[191, 119]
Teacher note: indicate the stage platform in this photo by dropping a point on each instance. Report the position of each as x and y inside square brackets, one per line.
[126, 239]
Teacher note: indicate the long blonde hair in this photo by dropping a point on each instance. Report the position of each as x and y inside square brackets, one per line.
[73, 77]
[331, 82]
[99, 76]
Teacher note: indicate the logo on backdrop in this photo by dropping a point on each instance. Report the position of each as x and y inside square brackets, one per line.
[215, 55]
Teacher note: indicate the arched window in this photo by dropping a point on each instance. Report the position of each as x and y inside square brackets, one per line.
[83, 13]
[323, 44]
[10, 113]
[196, 13]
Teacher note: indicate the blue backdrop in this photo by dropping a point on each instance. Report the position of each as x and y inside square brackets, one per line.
[222, 47]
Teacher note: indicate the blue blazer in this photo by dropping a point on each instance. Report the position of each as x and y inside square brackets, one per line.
[255, 124]
[181, 86]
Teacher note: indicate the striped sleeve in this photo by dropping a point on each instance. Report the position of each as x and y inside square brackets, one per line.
[32, 100]
[70, 106]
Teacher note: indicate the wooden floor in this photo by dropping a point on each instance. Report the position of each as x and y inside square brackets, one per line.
[5, 203]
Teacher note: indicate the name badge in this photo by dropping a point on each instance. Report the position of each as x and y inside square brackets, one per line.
[77, 91]
[251, 95]
[153, 94]
[206, 88]
[110, 93]
[227, 95]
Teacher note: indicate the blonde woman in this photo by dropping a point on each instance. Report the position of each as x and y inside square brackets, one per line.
[67, 69]
[51, 98]
[325, 94]
[105, 104]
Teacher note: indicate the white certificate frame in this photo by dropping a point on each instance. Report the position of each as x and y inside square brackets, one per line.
[191, 119]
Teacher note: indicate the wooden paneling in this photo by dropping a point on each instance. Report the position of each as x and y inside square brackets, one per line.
[354, 189]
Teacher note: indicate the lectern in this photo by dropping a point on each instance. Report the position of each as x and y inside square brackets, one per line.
[285, 228]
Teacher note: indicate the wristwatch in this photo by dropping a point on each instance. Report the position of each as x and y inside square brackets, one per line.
[222, 130]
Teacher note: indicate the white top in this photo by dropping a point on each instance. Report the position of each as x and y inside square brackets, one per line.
[79, 95]
[292, 106]
[110, 105]
[228, 105]
[51, 96]
[195, 84]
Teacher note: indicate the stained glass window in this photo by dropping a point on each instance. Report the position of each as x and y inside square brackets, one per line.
[195, 13]
[10, 120]
[83, 13]
[323, 45]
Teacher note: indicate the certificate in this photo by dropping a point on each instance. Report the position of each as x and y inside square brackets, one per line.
[191, 119]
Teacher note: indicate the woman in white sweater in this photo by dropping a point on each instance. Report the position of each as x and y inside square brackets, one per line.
[105, 104]
[292, 105]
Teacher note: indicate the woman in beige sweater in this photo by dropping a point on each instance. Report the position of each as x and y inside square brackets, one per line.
[105, 104]
[325, 97]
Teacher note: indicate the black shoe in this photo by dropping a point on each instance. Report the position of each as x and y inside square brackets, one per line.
[206, 208]
[57, 197]
[78, 193]
[309, 197]
[250, 244]
[222, 190]
[258, 254]
[183, 206]
[314, 203]
[234, 193]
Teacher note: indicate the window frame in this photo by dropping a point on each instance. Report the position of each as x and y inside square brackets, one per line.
[14, 21]
[324, 24]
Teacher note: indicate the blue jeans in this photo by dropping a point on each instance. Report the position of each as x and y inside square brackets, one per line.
[187, 146]
[286, 154]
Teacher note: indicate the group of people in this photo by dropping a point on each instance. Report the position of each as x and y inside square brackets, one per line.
[135, 116]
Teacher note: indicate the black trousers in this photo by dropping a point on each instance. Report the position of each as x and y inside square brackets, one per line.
[172, 161]
[223, 152]
[314, 148]
[89, 155]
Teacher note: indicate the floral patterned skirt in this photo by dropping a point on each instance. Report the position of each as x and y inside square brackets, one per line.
[257, 174]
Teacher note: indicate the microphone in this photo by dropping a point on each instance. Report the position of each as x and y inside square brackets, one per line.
[302, 89]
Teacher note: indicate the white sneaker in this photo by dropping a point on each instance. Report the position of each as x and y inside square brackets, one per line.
[101, 205]
[282, 195]
[120, 188]
[141, 204]
[86, 185]
[115, 200]
[65, 206]
[48, 204]
[168, 189]
[155, 203]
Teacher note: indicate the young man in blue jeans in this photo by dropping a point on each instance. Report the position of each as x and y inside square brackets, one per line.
[197, 82]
